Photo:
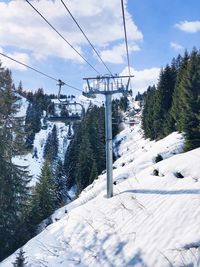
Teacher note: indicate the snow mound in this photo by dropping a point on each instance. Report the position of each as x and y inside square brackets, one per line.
[152, 220]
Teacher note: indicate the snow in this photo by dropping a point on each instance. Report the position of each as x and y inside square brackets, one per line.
[34, 164]
[150, 221]
[22, 103]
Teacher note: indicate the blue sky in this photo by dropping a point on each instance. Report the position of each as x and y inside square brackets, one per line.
[157, 32]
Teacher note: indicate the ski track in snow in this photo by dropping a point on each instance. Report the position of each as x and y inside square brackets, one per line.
[151, 221]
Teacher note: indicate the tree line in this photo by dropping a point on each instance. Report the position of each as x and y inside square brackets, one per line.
[174, 103]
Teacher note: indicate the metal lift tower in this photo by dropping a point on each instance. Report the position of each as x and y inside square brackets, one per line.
[108, 85]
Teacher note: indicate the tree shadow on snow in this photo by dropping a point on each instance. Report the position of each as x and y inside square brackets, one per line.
[163, 192]
[136, 261]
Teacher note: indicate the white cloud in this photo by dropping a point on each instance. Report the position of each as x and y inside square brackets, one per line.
[7, 63]
[117, 54]
[189, 26]
[22, 28]
[176, 46]
[142, 78]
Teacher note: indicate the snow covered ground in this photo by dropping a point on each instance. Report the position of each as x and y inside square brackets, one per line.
[152, 220]
[22, 104]
[34, 164]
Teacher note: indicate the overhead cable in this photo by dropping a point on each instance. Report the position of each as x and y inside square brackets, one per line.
[62, 37]
[125, 36]
[97, 53]
[38, 71]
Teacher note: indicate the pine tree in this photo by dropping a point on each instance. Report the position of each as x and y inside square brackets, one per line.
[157, 120]
[32, 123]
[43, 201]
[139, 97]
[93, 172]
[13, 179]
[44, 197]
[174, 104]
[51, 145]
[20, 88]
[170, 75]
[178, 98]
[71, 157]
[191, 103]
[164, 94]
[148, 116]
[96, 128]
[84, 164]
[20, 259]
[60, 184]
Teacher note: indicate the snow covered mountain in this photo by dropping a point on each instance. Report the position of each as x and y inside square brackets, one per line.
[152, 220]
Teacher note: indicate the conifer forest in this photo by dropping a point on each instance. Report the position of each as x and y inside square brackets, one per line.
[104, 172]
[171, 105]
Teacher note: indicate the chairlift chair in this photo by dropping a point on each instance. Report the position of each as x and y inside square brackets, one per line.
[65, 112]
[61, 111]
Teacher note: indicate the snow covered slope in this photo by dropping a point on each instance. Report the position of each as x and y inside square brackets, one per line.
[152, 220]
[34, 164]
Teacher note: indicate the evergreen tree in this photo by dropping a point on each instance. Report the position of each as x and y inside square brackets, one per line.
[51, 145]
[20, 88]
[139, 97]
[148, 112]
[175, 104]
[32, 123]
[189, 87]
[156, 113]
[95, 125]
[178, 99]
[93, 172]
[43, 201]
[166, 93]
[20, 259]
[13, 179]
[84, 164]
[60, 184]
[163, 99]
[123, 103]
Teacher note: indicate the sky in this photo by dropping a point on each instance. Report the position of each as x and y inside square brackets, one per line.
[157, 31]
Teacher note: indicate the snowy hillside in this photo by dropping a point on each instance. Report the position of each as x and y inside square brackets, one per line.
[34, 164]
[152, 220]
